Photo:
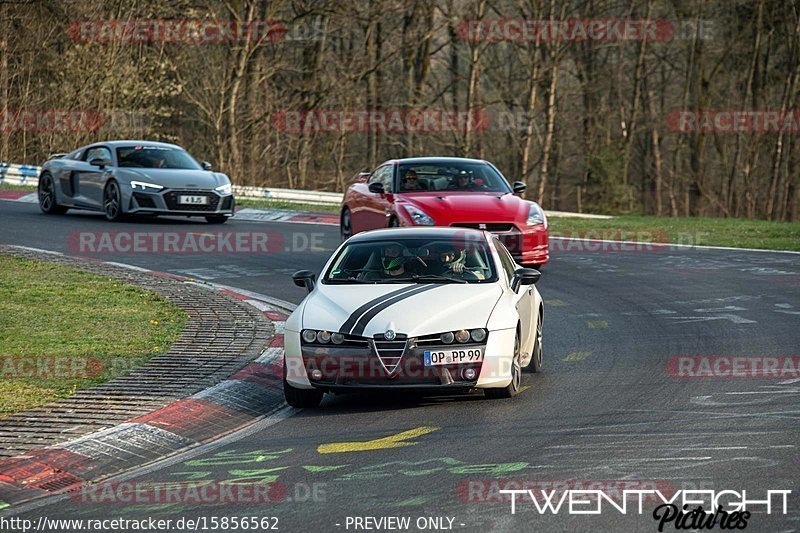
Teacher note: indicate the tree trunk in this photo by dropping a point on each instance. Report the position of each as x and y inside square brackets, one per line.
[733, 173]
[242, 55]
[655, 140]
[789, 92]
[550, 129]
[472, 86]
[635, 102]
[4, 80]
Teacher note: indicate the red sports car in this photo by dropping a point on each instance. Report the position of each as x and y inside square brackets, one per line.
[447, 191]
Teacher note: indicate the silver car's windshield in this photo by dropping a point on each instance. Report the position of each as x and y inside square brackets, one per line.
[143, 156]
[421, 260]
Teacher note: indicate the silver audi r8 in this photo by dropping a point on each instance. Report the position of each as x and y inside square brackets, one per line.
[123, 178]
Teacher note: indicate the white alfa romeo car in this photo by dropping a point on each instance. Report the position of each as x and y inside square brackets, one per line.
[414, 308]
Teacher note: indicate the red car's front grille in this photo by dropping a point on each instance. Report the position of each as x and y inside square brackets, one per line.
[494, 227]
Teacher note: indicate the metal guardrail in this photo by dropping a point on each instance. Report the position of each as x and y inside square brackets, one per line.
[29, 175]
[307, 197]
[21, 173]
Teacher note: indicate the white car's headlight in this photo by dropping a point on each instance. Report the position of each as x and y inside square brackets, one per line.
[314, 336]
[418, 216]
[463, 335]
[143, 185]
[535, 215]
[225, 189]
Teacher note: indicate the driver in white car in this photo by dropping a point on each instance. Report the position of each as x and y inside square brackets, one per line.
[456, 262]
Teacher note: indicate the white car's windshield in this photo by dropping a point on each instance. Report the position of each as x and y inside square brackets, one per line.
[418, 260]
[143, 156]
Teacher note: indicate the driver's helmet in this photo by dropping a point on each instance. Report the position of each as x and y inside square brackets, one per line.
[392, 256]
[450, 255]
[447, 256]
[463, 178]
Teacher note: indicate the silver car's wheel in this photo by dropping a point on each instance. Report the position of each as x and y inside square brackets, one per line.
[47, 196]
[112, 202]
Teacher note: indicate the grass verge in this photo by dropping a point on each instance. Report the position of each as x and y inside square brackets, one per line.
[62, 330]
[733, 232]
[14, 187]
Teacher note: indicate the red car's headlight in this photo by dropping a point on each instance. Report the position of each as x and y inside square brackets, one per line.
[418, 216]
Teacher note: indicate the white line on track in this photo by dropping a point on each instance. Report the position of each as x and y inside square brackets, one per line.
[671, 245]
[791, 391]
[51, 252]
[129, 267]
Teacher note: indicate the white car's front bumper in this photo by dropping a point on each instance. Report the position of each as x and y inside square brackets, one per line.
[495, 371]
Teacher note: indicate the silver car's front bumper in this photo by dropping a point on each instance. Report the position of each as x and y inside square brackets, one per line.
[167, 202]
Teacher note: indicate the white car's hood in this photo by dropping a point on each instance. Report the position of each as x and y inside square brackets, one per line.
[411, 309]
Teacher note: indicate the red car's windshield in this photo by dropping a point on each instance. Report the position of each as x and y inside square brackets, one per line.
[451, 176]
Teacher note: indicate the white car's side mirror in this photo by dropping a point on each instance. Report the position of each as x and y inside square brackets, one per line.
[524, 276]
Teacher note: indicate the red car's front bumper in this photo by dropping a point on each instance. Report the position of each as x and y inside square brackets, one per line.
[528, 246]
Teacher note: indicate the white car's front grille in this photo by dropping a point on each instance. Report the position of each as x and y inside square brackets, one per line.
[390, 352]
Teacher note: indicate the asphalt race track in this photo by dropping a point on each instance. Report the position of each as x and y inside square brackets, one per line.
[607, 407]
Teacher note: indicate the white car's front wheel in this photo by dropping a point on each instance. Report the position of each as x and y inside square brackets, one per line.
[516, 376]
[300, 397]
[535, 364]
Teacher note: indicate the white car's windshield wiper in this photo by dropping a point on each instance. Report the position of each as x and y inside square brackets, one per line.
[433, 278]
[351, 280]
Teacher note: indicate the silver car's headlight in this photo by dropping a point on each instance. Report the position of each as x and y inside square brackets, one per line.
[535, 215]
[143, 185]
[225, 189]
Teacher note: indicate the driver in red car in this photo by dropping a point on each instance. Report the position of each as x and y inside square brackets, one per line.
[465, 182]
[411, 182]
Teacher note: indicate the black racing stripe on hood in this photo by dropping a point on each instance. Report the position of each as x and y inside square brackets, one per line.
[372, 313]
[353, 318]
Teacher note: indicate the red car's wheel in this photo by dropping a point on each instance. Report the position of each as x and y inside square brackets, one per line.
[346, 225]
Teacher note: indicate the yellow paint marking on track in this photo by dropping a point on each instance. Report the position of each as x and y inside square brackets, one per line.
[577, 356]
[556, 303]
[597, 324]
[394, 441]
[523, 388]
